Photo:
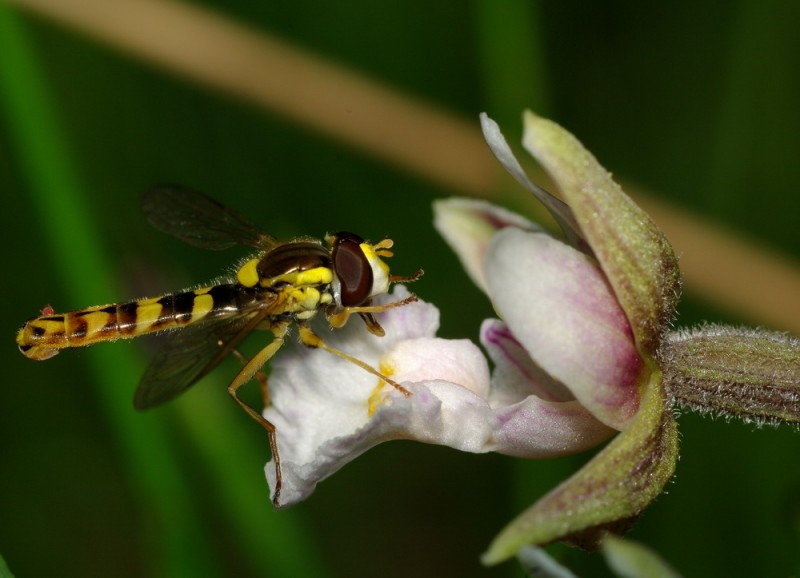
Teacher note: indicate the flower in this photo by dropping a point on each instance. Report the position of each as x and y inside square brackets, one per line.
[592, 314]
[582, 351]
[328, 411]
[581, 390]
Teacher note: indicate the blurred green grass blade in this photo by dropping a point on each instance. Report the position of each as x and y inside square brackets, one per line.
[511, 63]
[511, 60]
[275, 543]
[180, 546]
[4, 571]
[770, 34]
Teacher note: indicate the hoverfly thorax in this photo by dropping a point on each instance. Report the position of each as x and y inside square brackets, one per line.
[282, 265]
[292, 258]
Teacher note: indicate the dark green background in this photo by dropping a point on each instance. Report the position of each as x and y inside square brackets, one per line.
[699, 103]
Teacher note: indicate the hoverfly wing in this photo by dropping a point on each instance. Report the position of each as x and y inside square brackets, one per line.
[189, 354]
[199, 220]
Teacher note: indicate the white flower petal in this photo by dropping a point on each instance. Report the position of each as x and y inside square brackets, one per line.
[327, 411]
[534, 428]
[468, 226]
[438, 412]
[431, 358]
[559, 306]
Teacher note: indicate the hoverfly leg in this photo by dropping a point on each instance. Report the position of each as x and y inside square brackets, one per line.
[406, 278]
[251, 369]
[379, 308]
[311, 339]
[260, 376]
[372, 326]
[338, 316]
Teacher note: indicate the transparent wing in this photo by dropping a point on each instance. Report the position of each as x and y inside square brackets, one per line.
[189, 354]
[199, 220]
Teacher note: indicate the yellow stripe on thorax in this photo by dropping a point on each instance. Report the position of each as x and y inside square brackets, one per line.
[308, 278]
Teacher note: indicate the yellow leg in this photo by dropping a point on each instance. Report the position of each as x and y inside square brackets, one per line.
[339, 318]
[311, 339]
[260, 376]
[378, 308]
[251, 369]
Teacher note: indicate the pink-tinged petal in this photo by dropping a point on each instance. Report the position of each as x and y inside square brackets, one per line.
[534, 428]
[467, 225]
[633, 253]
[609, 492]
[536, 418]
[517, 376]
[559, 306]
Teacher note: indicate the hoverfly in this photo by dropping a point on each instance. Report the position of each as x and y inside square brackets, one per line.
[282, 285]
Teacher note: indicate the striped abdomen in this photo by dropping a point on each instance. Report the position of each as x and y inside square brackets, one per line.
[43, 337]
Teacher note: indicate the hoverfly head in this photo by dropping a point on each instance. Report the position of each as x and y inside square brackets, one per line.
[359, 271]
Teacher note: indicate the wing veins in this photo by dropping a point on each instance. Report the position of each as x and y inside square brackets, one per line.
[199, 220]
[190, 355]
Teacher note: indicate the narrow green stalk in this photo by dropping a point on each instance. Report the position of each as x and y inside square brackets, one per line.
[512, 61]
[64, 215]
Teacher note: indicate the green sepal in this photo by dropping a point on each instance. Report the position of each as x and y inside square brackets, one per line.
[634, 254]
[609, 492]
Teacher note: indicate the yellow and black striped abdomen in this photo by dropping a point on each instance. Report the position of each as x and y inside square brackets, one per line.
[44, 336]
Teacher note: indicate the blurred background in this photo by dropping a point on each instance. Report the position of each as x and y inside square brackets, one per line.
[356, 116]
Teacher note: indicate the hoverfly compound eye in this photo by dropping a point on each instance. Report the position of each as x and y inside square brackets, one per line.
[353, 270]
